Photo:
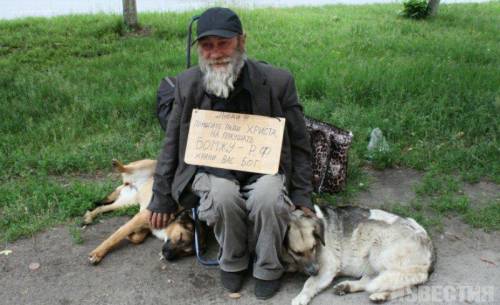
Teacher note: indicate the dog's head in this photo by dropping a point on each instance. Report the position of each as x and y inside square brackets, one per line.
[304, 237]
[180, 237]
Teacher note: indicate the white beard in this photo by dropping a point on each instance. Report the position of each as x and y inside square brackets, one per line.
[220, 81]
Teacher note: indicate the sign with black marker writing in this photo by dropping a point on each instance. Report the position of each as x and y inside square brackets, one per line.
[235, 141]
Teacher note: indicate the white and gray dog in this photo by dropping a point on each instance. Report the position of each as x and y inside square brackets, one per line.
[388, 253]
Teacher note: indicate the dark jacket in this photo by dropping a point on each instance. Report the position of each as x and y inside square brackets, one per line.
[274, 95]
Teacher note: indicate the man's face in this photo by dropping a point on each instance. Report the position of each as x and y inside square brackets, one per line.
[218, 51]
[220, 61]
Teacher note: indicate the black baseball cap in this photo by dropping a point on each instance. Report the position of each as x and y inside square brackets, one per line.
[218, 21]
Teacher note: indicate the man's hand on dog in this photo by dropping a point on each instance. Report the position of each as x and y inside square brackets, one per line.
[159, 220]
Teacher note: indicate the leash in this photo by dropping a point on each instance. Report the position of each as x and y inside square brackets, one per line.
[196, 241]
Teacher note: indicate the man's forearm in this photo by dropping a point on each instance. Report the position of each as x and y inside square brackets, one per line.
[301, 177]
[167, 163]
[162, 204]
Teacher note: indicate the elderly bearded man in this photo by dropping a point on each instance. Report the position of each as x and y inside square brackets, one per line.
[249, 212]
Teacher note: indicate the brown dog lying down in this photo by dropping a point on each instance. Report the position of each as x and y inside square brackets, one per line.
[137, 189]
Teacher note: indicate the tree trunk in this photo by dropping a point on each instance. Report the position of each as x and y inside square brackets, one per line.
[433, 6]
[130, 14]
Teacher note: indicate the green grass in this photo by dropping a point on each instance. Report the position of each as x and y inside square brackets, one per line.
[486, 217]
[439, 196]
[76, 234]
[36, 202]
[77, 91]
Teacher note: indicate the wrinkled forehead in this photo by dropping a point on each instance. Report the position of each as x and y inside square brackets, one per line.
[213, 38]
[300, 235]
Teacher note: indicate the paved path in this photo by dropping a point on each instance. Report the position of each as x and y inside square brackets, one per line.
[467, 271]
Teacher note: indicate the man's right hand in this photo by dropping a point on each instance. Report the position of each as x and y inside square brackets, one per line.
[160, 220]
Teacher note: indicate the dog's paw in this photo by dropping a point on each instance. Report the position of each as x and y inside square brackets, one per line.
[379, 297]
[94, 258]
[301, 299]
[87, 218]
[341, 288]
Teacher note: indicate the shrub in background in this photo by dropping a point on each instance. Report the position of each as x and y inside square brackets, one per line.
[417, 9]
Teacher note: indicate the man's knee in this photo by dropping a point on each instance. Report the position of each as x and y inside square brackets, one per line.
[218, 196]
[226, 195]
[268, 195]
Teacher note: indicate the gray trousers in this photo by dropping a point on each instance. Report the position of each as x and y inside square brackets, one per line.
[250, 218]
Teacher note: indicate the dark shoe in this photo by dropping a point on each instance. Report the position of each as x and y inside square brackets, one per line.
[266, 289]
[232, 281]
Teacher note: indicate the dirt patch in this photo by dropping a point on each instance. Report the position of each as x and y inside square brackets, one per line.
[482, 192]
[397, 186]
[389, 186]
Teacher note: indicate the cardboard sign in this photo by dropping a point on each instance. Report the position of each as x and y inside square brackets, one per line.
[244, 142]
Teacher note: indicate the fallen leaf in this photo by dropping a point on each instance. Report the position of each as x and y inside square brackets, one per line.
[5, 252]
[34, 266]
[235, 295]
[487, 261]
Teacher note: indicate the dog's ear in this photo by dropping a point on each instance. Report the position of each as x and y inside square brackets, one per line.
[185, 218]
[319, 231]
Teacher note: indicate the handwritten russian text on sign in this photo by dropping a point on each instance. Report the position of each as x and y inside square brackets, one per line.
[244, 142]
